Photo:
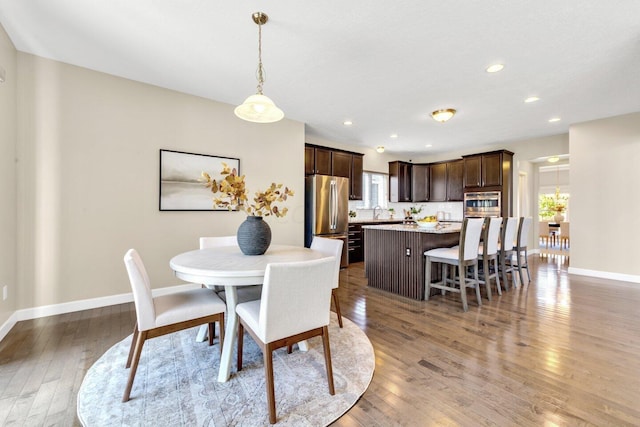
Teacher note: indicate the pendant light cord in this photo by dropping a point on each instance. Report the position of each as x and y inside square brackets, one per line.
[260, 68]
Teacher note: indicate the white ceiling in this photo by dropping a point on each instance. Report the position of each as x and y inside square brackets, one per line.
[384, 65]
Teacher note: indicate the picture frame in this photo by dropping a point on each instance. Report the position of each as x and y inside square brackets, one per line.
[181, 188]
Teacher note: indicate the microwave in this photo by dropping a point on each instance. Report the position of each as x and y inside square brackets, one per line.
[482, 204]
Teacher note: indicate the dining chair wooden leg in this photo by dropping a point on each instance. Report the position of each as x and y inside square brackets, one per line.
[142, 336]
[240, 345]
[211, 332]
[221, 326]
[327, 359]
[336, 302]
[268, 373]
[133, 345]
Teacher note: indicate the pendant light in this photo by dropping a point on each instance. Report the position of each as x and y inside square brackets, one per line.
[259, 108]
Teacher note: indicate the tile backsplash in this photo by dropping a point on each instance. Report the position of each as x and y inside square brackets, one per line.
[454, 209]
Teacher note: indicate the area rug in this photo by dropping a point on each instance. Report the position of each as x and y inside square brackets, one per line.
[176, 383]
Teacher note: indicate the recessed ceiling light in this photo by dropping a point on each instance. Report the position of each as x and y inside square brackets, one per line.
[393, 135]
[380, 149]
[532, 99]
[495, 68]
[554, 119]
[347, 123]
[429, 145]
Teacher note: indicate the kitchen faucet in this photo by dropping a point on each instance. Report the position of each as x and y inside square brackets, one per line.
[377, 215]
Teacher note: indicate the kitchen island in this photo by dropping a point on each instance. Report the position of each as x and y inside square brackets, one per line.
[394, 255]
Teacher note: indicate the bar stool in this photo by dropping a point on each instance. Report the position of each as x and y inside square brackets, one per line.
[507, 240]
[463, 256]
[520, 249]
[488, 251]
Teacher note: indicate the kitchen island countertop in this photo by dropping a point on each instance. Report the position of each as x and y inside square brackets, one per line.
[439, 229]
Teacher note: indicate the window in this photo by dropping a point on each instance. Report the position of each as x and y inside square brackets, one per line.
[375, 190]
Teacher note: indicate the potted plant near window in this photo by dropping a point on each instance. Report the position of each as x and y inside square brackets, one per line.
[254, 234]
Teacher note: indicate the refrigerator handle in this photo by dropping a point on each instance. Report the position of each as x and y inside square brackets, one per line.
[333, 205]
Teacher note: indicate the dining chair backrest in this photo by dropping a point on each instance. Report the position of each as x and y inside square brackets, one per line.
[492, 236]
[564, 230]
[470, 238]
[523, 232]
[296, 297]
[214, 242]
[508, 235]
[543, 227]
[141, 287]
[330, 247]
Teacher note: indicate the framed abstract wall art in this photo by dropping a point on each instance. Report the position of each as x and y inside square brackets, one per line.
[180, 186]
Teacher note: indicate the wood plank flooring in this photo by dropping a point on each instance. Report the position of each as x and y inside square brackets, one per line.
[562, 351]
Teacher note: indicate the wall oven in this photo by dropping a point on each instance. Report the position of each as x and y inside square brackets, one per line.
[482, 204]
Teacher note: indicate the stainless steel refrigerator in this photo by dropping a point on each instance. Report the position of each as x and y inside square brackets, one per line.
[327, 210]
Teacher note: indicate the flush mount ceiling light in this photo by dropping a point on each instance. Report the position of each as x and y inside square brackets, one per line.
[380, 149]
[443, 115]
[259, 108]
[347, 123]
[393, 136]
[495, 68]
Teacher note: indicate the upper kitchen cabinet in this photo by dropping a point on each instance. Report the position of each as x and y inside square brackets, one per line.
[455, 175]
[488, 171]
[317, 160]
[420, 183]
[445, 181]
[329, 161]
[399, 181]
[355, 179]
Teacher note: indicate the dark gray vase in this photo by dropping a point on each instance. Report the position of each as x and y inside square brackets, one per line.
[254, 236]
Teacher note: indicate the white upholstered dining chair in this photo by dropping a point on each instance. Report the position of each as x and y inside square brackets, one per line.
[295, 303]
[462, 256]
[331, 247]
[166, 314]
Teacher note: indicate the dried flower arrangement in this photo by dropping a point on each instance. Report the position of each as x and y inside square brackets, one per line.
[233, 194]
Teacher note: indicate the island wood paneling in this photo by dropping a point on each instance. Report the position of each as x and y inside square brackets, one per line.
[394, 260]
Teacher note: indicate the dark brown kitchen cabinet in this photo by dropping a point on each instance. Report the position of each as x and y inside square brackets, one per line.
[356, 245]
[445, 181]
[487, 171]
[329, 161]
[455, 175]
[399, 181]
[355, 177]
[341, 164]
[419, 183]
[317, 160]
[438, 182]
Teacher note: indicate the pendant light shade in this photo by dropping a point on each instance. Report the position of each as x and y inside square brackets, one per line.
[259, 108]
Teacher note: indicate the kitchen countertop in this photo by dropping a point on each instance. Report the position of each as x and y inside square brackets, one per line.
[442, 228]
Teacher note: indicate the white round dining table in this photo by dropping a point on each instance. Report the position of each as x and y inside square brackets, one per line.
[227, 266]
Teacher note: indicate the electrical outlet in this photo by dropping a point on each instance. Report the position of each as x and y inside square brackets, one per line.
[5, 292]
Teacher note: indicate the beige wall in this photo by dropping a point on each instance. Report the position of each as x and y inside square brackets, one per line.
[8, 235]
[605, 207]
[88, 154]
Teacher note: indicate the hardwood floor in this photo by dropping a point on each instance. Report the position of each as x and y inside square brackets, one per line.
[561, 351]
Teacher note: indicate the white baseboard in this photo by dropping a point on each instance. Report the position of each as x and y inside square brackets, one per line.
[87, 304]
[604, 275]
